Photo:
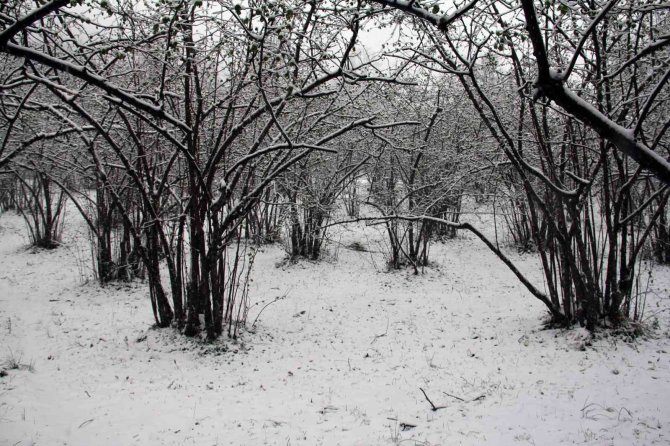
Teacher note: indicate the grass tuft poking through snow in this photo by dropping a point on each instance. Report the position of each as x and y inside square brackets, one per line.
[14, 361]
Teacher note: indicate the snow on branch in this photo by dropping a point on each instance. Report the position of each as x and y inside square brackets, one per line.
[83, 73]
[28, 19]
[660, 42]
[441, 21]
[624, 139]
[551, 84]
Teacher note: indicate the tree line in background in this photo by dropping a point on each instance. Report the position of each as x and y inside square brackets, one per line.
[188, 132]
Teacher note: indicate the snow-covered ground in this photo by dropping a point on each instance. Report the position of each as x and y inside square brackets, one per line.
[341, 360]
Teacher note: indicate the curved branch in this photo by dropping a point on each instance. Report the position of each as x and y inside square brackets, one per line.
[555, 312]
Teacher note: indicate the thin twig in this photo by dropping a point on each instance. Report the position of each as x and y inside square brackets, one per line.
[381, 335]
[85, 423]
[454, 396]
[434, 408]
[278, 298]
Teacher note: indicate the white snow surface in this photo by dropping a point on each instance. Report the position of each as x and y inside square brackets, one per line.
[339, 361]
